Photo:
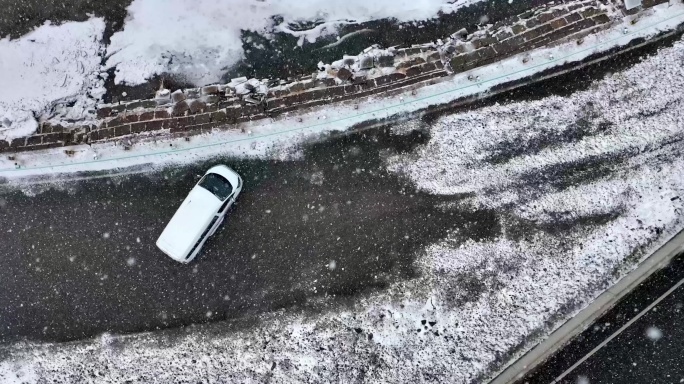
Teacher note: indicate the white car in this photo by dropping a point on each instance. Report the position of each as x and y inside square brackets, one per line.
[200, 214]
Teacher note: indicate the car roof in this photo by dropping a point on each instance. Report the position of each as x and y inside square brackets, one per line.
[188, 223]
[230, 175]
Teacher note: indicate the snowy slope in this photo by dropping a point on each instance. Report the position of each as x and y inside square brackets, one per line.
[50, 65]
[582, 187]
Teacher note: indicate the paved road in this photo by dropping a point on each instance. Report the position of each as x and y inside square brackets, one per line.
[82, 260]
[637, 342]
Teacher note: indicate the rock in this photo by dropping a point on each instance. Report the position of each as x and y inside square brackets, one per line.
[296, 87]
[384, 61]
[359, 80]
[163, 100]
[349, 60]
[262, 89]
[410, 63]
[192, 93]
[238, 80]
[180, 108]
[307, 84]
[372, 47]
[210, 90]
[366, 62]
[197, 106]
[178, 96]
[212, 99]
[252, 100]
[461, 34]
[163, 93]
[344, 74]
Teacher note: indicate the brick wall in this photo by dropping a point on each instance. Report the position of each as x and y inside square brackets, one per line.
[537, 28]
[200, 110]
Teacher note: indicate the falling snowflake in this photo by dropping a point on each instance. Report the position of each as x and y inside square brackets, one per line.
[582, 380]
[332, 265]
[105, 235]
[130, 261]
[654, 333]
[317, 178]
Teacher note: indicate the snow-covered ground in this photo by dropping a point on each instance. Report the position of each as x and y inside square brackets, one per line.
[583, 187]
[199, 40]
[51, 65]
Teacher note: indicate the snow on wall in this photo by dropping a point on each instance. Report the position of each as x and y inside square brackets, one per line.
[200, 39]
[49, 65]
[579, 184]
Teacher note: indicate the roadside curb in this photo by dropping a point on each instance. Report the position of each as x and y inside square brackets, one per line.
[604, 302]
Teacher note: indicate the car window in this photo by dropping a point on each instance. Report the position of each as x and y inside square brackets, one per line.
[217, 185]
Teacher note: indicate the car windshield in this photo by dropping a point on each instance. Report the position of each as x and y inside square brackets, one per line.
[217, 185]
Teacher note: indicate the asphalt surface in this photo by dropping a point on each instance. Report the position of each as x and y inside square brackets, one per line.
[81, 260]
[649, 350]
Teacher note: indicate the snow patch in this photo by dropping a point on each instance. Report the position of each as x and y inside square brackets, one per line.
[50, 66]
